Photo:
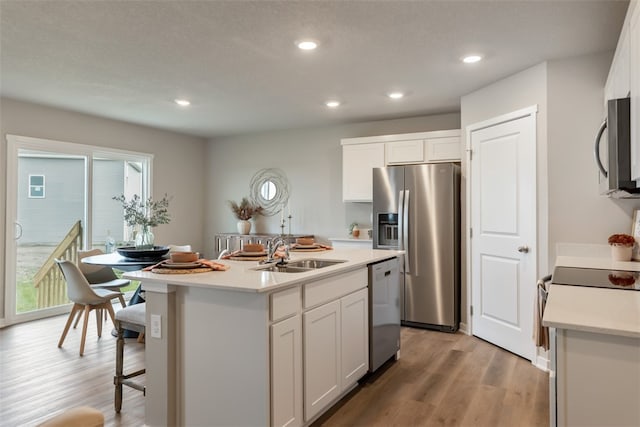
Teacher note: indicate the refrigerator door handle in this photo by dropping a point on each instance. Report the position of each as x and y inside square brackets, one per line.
[405, 232]
[400, 219]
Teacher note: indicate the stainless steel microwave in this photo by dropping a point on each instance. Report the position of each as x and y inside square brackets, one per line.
[615, 179]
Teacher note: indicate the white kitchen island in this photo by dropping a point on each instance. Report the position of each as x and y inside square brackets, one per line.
[251, 348]
[596, 357]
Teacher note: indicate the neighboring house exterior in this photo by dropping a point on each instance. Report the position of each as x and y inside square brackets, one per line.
[51, 197]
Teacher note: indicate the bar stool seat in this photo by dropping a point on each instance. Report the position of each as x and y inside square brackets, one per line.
[131, 318]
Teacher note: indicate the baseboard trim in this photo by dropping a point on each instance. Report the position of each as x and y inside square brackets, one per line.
[464, 328]
[541, 363]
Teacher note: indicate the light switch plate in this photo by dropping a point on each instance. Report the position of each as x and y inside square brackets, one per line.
[156, 326]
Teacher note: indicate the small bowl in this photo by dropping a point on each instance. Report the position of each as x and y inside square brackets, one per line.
[305, 241]
[184, 256]
[253, 247]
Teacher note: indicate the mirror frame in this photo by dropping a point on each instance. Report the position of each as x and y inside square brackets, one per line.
[281, 183]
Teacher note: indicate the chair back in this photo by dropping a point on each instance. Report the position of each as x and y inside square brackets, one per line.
[95, 273]
[78, 288]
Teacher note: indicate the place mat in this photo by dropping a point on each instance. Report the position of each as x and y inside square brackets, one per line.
[308, 250]
[164, 270]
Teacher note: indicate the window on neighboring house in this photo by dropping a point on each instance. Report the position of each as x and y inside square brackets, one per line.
[36, 186]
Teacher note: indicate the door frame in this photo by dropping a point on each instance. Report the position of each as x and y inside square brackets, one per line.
[89, 152]
[541, 211]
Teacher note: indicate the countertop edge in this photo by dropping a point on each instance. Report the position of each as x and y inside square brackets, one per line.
[245, 281]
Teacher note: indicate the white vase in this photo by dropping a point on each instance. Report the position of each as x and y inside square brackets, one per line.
[244, 227]
[621, 253]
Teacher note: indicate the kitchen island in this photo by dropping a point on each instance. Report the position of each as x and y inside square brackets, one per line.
[595, 356]
[246, 347]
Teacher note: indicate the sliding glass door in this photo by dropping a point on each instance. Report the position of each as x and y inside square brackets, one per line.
[59, 200]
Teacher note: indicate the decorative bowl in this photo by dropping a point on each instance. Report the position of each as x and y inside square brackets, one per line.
[253, 247]
[305, 241]
[184, 256]
[149, 254]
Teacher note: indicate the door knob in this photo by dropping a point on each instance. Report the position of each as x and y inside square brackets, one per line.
[523, 249]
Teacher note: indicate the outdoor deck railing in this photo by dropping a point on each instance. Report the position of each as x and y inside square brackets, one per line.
[51, 288]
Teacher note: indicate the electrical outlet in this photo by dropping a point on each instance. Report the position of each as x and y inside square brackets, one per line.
[156, 326]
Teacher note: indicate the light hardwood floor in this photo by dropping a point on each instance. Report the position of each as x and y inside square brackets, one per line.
[440, 379]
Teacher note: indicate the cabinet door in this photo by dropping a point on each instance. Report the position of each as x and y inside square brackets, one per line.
[403, 152]
[445, 149]
[321, 357]
[634, 75]
[286, 373]
[354, 338]
[358, 160]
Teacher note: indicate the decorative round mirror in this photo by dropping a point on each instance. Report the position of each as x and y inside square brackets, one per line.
[270, 189]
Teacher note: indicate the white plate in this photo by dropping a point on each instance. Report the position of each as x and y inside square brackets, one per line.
[314, 246]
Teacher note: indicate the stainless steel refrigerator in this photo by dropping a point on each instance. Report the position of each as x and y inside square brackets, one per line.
[417, 208]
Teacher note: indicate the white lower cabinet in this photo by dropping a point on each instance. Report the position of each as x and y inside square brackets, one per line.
[286, 372]
[336, 349]
[321, 357]
[354, 337]
[319, 349]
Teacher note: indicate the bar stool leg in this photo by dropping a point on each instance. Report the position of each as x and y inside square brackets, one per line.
[117, 379]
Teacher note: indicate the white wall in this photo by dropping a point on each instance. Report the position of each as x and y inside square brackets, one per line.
[577, 213]
[178, 166]
[312, 160]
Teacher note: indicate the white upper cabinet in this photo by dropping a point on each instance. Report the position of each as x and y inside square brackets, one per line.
[358, 161]
[403, 152]
[361, 155]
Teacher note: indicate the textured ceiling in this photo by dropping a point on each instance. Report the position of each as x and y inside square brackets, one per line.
[237, 63]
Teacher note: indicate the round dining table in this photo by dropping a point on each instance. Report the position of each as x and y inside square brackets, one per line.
[117, 261]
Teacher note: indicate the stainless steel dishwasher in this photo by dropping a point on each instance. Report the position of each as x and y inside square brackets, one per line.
[384, 312]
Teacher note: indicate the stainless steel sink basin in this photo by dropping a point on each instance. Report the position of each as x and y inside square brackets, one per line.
[282, 268]
[314, 263]
[299, 266]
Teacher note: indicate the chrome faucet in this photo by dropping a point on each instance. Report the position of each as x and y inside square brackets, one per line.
[272, 247]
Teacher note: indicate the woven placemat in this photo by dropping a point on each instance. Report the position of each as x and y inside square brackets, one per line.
[161, 270]
[308, 250]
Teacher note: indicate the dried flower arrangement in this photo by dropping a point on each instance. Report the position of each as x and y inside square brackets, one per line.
[621, 240]
[245, 210]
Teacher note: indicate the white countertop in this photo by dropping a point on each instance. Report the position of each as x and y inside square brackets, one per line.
[351, 239]
[599, 310]
[242, 277]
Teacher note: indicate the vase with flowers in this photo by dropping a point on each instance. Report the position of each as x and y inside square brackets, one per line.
[244, 211]
[143, 215]
[621, 246]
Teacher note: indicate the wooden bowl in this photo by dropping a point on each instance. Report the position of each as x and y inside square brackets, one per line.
[305, 241]
[253, 247]
[184, 256]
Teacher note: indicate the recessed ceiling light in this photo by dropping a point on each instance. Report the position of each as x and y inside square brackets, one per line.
[307, 44]
[332, 104]
[395, 95]
[182, 102]
[471, 59]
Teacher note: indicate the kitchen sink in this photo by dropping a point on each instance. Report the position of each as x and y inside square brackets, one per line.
[314, 263]
[282, 268]
[299, 266]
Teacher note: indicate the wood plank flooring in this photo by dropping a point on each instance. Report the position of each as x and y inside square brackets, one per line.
[39, 380]
[440, 380]
[447, 380]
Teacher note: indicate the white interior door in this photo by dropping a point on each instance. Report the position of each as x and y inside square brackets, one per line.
[503, 223]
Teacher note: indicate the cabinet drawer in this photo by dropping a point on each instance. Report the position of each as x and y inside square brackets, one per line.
[331, 288]
[285, 303]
